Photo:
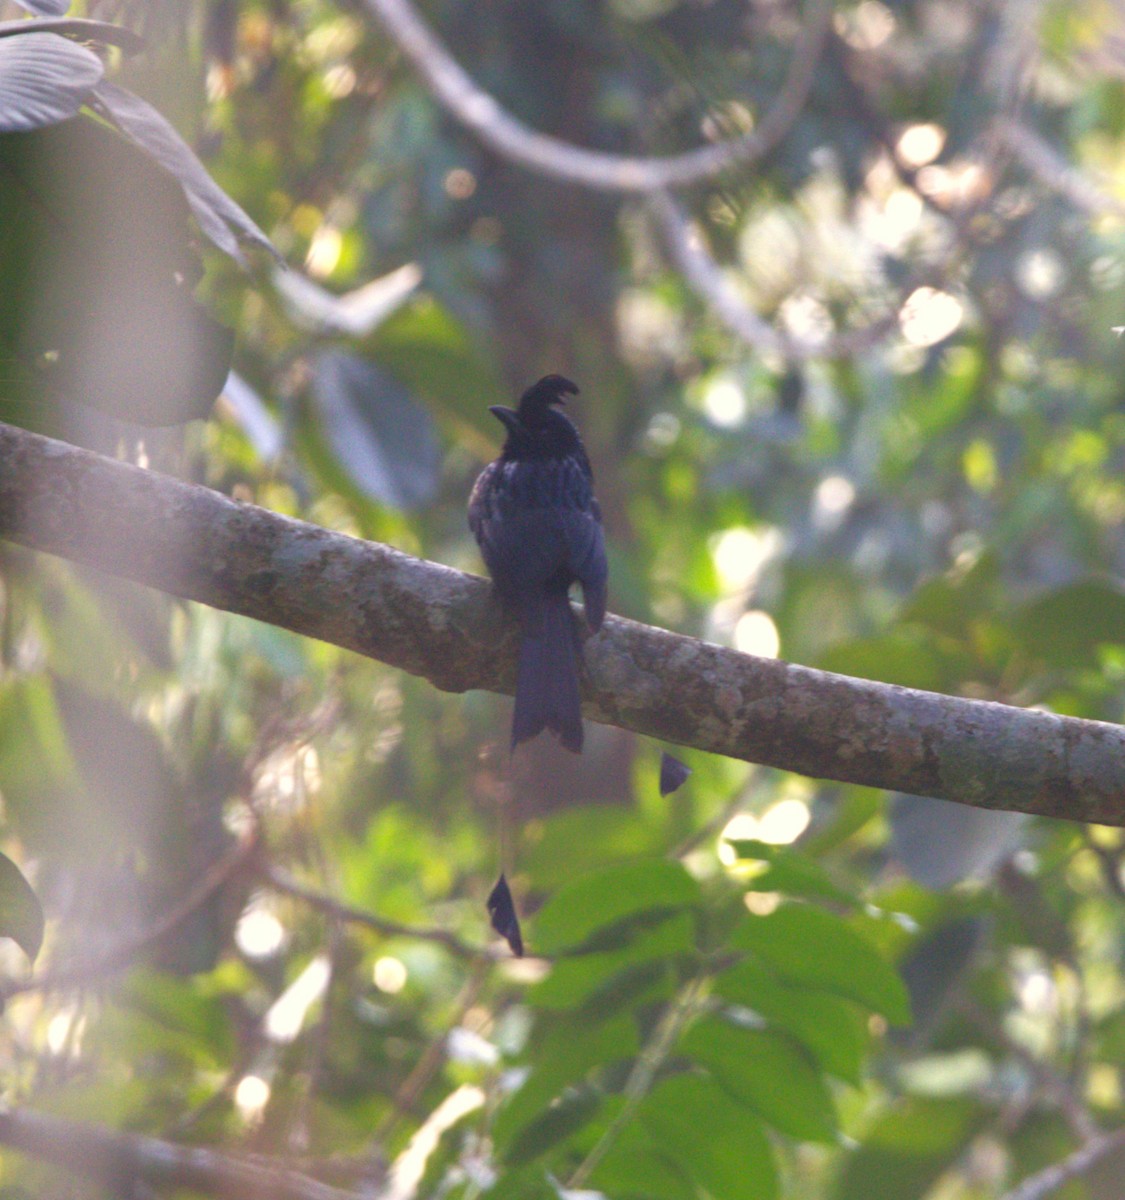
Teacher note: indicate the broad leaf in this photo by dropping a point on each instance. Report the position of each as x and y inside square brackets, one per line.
[941, 843]
[356, 313]
[21, 916]
[79, 29]
[714, 1139]
[1064, 628]
[829, 1027]
[907, 1148]
[787, 870]
[569, 1113]
[433, 354]
[99, 269]
[806, 945]
[636, 1166]
[220, 218]
[45, 8]
[565, 1054]
[529, 1184]
[766, 1072]
[383, 438]
[44, 79]
[575, 980]
[598, 901]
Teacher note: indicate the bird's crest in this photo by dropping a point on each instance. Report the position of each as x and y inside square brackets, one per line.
[551, 389]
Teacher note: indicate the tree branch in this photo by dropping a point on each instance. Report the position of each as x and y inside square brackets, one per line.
[445, 626]
[688, 251]
[1084, 1159]
[284, 883]
[1045, 163]
[485, 117]
[115, 1159]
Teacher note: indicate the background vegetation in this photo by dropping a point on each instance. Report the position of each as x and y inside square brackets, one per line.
[853, 397]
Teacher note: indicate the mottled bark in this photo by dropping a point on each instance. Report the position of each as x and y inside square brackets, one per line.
[443, 625]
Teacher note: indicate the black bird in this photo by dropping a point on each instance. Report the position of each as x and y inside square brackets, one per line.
[539, 528]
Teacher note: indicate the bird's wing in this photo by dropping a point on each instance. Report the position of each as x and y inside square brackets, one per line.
[537, 527]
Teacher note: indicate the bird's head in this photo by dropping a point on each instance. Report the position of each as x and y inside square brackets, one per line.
[538, 399]
[534, 422]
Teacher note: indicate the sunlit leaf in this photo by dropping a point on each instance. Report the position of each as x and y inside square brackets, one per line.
[788, 871]
[809, 946]
[829, 1027]
[907, 1148]
[597, 901]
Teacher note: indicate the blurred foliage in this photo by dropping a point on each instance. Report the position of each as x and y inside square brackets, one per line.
[722, 1013]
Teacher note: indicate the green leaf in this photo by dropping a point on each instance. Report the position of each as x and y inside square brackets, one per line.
[527, 1184]
[1064, 628]
[430, 351]
[949, 603]
[827, 1026]
[564, 1055]
[766, 1072]
[788, 871]
[573, 981]
[806, 945]
[907, 1149]
[586, 838]
[21, 915]
[718, 1143]
[909, 657]
[220, 218]
[635, 1167]
[598, 901]
[563, 1117]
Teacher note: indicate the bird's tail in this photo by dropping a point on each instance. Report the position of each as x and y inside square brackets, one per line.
[547, 692]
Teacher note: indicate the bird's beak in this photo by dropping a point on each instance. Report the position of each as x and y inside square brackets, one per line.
[508, 417]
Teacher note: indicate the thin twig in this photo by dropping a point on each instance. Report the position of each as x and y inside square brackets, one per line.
[412, 1087]
[281, 882]
[652, 1057]
[1045, 163]
[1085, 1158]
[122, 955]
[484, 116]
[689, 253]
[114, 1159]
[1050, 1081]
